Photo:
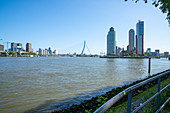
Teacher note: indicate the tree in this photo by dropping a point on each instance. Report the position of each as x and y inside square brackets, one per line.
[134, 54]
[145, 55]
[164, 6]
[28, 53]
[3, 53]
[126, 54]
[11, 53]
[18, 53]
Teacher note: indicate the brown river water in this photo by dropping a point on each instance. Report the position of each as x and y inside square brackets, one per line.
[45, 84]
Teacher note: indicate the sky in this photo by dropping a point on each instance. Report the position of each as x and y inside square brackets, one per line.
[65, 24]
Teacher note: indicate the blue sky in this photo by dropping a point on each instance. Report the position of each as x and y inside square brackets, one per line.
[65, 24]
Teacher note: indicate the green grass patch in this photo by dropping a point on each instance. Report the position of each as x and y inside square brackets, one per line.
[150, 92]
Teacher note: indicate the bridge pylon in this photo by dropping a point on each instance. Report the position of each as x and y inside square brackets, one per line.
[85, 45]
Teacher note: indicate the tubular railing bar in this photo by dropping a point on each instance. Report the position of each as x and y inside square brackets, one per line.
[117, 97]
[163, 105]
[146, 102]
[159, 97]
[129, 102]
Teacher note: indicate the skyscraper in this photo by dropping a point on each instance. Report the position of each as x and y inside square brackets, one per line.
[131, 40]
[111, 43]
[28, 47]
[157, 52]
[140, 37]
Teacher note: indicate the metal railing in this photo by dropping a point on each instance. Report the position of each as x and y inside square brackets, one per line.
[129, 90]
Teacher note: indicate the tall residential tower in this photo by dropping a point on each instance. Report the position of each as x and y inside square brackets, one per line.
[111, 43]
[131, 40]
[140, 37]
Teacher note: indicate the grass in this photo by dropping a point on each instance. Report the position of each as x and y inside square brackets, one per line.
[151, 107]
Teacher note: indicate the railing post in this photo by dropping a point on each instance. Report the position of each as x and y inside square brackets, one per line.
[158, 97]
[149, 67]
[129, 102]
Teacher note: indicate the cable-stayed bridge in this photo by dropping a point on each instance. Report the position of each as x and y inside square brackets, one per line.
[75, 49]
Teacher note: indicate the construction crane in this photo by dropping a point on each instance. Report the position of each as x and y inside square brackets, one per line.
[7, 44]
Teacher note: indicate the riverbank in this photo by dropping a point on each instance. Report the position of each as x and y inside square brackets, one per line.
[143, 97]
[95, 102]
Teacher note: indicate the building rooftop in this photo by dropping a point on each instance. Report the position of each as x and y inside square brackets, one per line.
[111, 29]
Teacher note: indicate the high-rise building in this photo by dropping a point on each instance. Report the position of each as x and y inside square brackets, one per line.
[13, 46]
[157, 52]
[140, 37]
[131, 40]
[1, 47]
[28, 47]
[43, 52]
[46, 51]
[111, 43]
[40, 51]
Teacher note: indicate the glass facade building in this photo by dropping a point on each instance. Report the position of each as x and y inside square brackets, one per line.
[111, 43]
[140, 37]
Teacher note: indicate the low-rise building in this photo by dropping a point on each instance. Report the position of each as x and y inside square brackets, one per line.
[1, 47]
[40, 51]
[157, 52]
[16, 47]
[148, 51]
[161, 54]
[166, 54]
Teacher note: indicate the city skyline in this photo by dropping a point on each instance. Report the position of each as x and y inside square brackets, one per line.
[64, 25]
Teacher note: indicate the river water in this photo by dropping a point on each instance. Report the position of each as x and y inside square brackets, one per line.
[49, 83]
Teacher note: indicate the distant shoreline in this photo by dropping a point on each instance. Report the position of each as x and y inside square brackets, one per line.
[126, 57]
[130, 57]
